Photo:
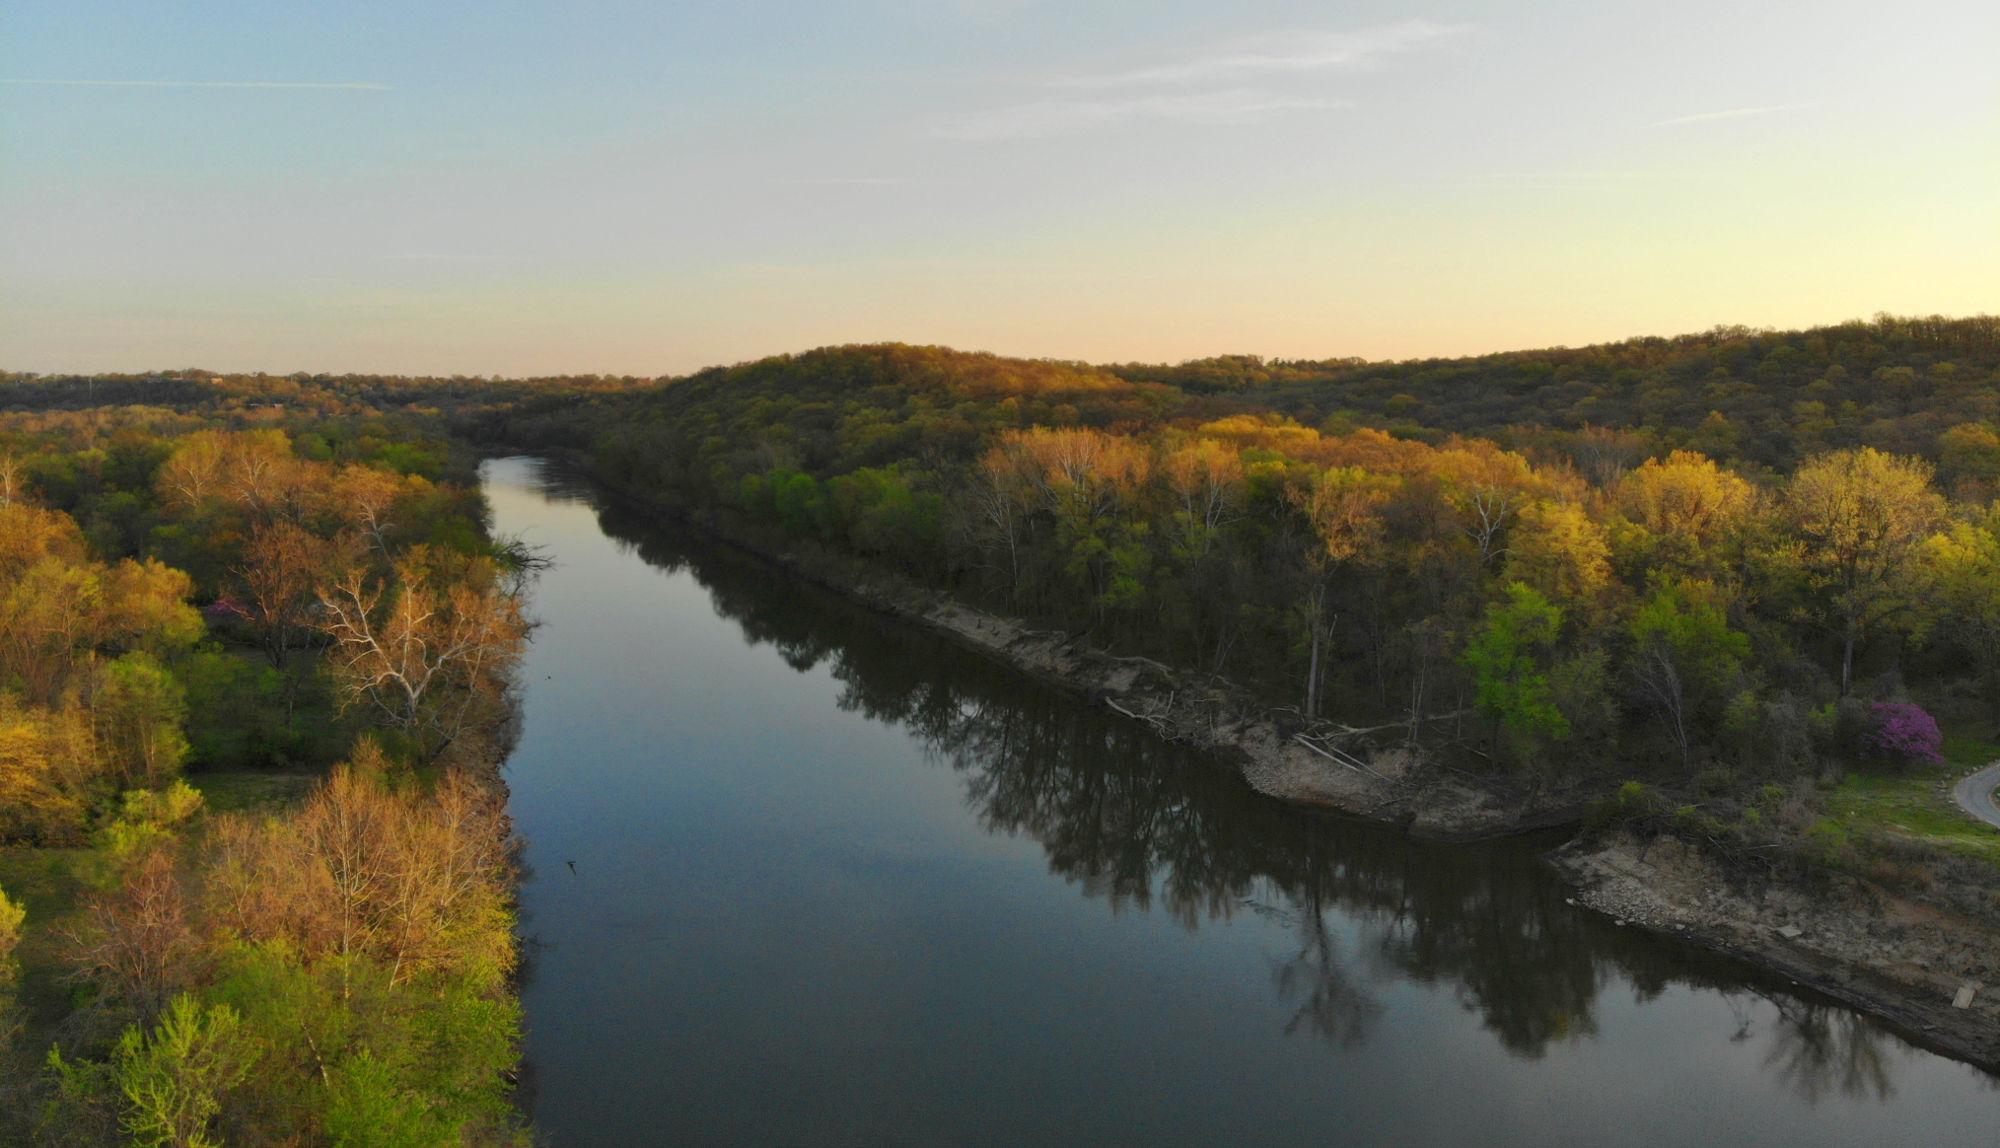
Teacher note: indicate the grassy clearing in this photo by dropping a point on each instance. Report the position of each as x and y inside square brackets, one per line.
[233, 791]
[1915, 804]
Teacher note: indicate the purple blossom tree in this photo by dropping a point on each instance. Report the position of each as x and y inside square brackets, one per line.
[1906, 733]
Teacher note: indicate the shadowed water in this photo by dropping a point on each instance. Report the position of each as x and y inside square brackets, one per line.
[836, 881]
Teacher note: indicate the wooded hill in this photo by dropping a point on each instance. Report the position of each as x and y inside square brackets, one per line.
[1716, 561]
[1765, 398]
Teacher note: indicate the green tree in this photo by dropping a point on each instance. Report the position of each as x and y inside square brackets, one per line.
[175, 1077]
[141, 712]
[1509, 656]
[1685, 657]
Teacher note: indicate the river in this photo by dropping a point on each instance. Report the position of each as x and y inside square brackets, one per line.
[802, 875]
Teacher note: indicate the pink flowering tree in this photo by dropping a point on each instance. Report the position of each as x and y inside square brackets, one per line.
[1906, 733]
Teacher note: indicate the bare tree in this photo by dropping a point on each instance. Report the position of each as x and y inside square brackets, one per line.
[429, 654]
[285, 565]
[138, 942]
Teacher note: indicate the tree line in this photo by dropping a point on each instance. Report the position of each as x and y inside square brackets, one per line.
[1681, 611]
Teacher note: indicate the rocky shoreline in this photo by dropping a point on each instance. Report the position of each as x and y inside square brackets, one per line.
[1899, 963]
[1906, 965]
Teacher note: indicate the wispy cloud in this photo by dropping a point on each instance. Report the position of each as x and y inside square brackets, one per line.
[1275, 56]
[1069, 117]
[1572, 176]
[1238, 82]
[350, 87]
[844, 180]
[1731, 114]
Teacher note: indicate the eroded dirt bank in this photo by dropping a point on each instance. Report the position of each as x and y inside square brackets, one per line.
[1280, 754]
[1899, 961]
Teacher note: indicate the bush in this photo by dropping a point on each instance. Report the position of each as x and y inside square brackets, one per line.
[1633, 802]
[1904, 733]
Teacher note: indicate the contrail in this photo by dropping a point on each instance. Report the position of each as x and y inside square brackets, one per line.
[351, 87]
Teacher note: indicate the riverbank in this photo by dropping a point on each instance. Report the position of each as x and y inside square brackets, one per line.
[1902, 962]
[1320, 764]
[1902, 969]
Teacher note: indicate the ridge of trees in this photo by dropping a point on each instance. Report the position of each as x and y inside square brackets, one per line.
[1768, 531]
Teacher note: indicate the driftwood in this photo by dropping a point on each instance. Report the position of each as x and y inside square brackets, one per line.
[1341, 757]
[1159, 723]
[1165, 669]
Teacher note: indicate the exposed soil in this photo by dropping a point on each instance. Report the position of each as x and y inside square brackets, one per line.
[1897, 960]
[1390, 784]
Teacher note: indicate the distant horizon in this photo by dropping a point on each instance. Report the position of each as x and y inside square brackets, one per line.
[158, 370]
[633, 189]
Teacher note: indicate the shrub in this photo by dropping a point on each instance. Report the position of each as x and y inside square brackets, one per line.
[11, 916]
[1905, 733]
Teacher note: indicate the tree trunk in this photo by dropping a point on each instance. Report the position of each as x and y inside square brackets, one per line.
[1312, 676]
[1847, 660]
[1312, 668]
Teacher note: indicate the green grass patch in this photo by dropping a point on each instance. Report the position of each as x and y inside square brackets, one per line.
[1915, 803]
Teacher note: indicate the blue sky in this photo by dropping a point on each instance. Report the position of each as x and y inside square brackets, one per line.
[645, 188]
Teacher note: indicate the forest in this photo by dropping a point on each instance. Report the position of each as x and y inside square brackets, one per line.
[256, 880]
[1696, 580]
[256, 626]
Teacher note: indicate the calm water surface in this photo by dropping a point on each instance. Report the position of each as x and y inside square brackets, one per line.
[837, 882]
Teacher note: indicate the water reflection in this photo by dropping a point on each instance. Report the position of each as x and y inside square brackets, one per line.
[1819, 1050]
[1146, 826]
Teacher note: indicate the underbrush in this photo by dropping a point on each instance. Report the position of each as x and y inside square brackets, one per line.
[1893, 827]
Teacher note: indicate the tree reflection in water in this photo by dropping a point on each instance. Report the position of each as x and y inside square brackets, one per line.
[1817, 1050]
[1148, 826]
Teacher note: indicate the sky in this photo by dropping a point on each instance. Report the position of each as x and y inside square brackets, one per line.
[516, 188]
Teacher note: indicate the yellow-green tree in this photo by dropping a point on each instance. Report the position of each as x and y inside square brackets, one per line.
[1685, 512]
[1563, 554]
[11, 917]
[50, 771]
[1860, 519]
[1963, 572]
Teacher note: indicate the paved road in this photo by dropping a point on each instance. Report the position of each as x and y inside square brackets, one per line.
[1975, 794]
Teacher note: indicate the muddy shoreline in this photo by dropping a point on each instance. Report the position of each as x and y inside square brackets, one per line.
[1902, 976]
